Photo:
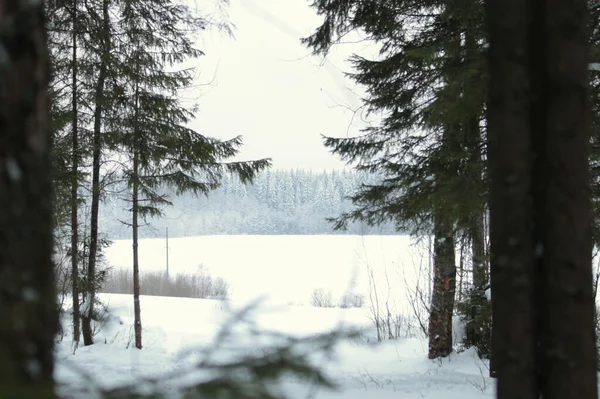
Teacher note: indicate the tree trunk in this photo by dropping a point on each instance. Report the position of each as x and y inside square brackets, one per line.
[473, 133]
[512, 269]
[28, 311]
[86, 319]
[137, 312]
[74, 192]
[444, 287]
[562, 201]
[480, 272]
[543, 308]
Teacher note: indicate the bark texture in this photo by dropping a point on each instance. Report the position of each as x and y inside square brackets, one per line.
[511, 208]
[542, 305]
[137, 310]
[28, 311]
[444, 288]
[565, 298]
[86, 319]
[74, 192]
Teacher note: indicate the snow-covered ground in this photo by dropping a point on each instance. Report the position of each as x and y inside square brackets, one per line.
[288, 269]
[175, 329]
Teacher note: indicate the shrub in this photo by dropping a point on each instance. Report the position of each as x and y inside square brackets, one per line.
[322, 299]
[351, 300]
[183, 285]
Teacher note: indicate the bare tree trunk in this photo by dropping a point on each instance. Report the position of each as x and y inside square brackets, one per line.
[74, 192]
[543, 308]
[28, 311]
[461, 270]
[512, 267]
[86, 319]
[444, 287]
[480, 272]
[473, 132]
[562, 201]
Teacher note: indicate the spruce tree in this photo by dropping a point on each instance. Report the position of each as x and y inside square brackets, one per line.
[427, 83]
[66, 27]
[148, 125]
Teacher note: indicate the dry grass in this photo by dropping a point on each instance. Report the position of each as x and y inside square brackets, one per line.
[324, 299]
[183, 285]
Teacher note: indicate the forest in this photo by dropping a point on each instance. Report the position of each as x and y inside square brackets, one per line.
[484, 136]
[276, 202]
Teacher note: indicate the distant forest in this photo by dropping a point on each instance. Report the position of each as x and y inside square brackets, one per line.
[278, 202]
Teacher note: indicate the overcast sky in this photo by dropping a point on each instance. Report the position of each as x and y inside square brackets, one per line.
[265, 86]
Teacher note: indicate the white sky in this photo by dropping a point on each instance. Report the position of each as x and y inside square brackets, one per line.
[265, 86]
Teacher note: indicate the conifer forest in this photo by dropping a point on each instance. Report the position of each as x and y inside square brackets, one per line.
[285, 199]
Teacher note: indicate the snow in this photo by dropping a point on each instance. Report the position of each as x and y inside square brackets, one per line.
[286, 268]
[175, 328]
[176, 331]
[14, 172]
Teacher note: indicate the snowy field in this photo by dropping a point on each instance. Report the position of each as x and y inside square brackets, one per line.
[288, 269]
[175, 329]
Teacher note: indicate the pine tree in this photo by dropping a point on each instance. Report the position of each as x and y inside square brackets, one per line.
[74, 183]
[148, 123]
[67, 27]
[429, 86]
[102, 33]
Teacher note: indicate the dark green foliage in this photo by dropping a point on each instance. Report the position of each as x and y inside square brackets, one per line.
[118, 95]
[147, 122]
[428, 85]
[60, 23]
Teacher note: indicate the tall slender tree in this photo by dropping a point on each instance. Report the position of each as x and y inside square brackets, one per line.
[70, 39]
[148, 123]
[102, 19]
[74, 181]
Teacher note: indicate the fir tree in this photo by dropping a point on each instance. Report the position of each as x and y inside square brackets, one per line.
[428, 83]
[148, 123]
[68, 27]
[102, 34]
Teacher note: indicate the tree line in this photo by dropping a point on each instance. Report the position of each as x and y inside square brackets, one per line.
[276, 202]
